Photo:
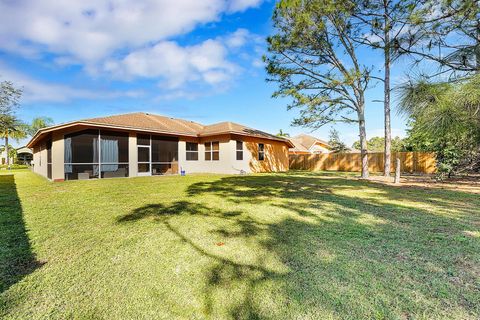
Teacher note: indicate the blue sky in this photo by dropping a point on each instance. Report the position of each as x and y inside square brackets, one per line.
[198, 60]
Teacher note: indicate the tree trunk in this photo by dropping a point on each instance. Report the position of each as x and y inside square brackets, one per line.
[7, 151]
[363, 143]
[388, 129]
[477, 49]
[397, 170]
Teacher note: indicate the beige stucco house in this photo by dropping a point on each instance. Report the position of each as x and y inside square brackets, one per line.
[143, 144]
[306, 144]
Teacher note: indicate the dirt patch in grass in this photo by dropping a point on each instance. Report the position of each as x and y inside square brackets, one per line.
[469, 184]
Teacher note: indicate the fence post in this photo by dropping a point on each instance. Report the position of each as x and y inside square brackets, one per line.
[397, 170]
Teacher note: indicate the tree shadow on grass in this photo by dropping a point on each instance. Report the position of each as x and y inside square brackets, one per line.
[404, 261]
[248, 274]
[16, 257]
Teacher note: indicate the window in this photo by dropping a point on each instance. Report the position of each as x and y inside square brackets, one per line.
[239, 150]
[212, 151]
[192, 151]
[261, 151]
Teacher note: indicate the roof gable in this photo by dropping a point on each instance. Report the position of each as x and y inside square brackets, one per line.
[308, 141]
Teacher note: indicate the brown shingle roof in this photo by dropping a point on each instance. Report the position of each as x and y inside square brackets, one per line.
[299, 147]
[231, 127]
[150, 121]
[303, 142]
[157, 123]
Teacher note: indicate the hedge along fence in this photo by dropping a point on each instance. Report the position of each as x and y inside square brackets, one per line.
[410, 162]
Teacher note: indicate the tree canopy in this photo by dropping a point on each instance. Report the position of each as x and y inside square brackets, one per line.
[445, 118]
[39, 123]
[336, 144]
[9, 97]
[313, 59]
[11, 127]
[376, 144]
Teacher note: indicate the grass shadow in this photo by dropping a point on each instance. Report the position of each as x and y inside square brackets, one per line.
[16, 257]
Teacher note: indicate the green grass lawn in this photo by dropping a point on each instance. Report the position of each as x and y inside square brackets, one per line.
[272, 246]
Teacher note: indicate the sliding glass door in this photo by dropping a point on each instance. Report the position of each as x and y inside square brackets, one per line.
[157, 155]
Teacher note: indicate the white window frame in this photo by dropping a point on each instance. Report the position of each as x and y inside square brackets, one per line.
[211, 150]
[190, 151]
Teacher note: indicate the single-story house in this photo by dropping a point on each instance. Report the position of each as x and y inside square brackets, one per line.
[144, 144]
[305, 144]
[24, 155]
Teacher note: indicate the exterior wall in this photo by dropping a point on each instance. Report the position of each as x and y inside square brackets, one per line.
[276, 155]
[132, 155]
[40, 159]
[58, 168]
[227, 163]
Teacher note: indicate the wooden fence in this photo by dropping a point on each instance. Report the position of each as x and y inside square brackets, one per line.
[410, 162]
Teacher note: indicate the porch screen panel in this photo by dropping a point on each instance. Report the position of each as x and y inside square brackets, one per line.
[164, 155]
[95, 154]
[114, 154]
[81, 155]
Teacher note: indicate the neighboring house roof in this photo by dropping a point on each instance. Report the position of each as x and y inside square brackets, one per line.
[148, 122]
[304, 142]
[24, 149]
[353, 150]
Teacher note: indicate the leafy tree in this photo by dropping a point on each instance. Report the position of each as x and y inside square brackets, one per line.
[445, 118]
[283, 134]
[9, 97]
[39, 123]
[448, 33]
[11, 127]
[377, 144]
[313, 58]
[386, 22]
[336, 143]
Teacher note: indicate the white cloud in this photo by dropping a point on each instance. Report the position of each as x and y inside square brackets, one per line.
[124, 38]
[176, 65]
[242, 5]
[37, 91]
[238, 38]
[92, 30]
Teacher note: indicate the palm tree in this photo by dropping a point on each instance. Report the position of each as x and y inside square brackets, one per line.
[445, 116]
[283, 134]
[39, 123]
[12, 153]
[11, 127]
